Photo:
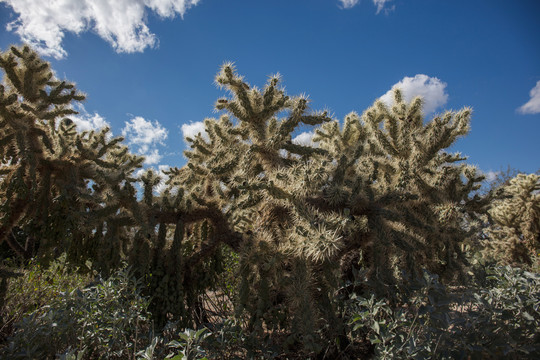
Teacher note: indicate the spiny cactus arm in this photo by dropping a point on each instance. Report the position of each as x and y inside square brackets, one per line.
[150, 179]
[5, 141]
[302, 150]
[446, 158]
[353, 131]
[326, 132]
[390, 120]
[227, 77]
[473, 180]
[443, 131]
[9, 65]
[274, 98]
[316, 118]
[287, 126]
[372, 118]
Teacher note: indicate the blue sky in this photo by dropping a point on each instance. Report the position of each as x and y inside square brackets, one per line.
[148, 66]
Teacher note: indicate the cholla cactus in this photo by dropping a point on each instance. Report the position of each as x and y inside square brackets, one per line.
[514, 235]
[47, 167]
[380, 190]
[393, 169]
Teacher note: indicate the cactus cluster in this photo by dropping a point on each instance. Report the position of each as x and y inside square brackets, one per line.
[377, 191]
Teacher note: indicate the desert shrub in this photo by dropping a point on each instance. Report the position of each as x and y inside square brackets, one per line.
[28, 288]
[105, 319]
[495, 321]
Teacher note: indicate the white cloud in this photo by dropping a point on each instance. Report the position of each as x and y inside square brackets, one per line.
[152, 157]
[380, 4]
[347, 4]
[87, 122]
[192, 129]
[491, 175]
[430, 88]
[145, 136]
[305, 139]
[533, 105]
[142, 132]
[122, 23]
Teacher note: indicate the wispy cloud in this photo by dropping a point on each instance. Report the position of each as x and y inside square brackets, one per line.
[192, 129]
[533, 105]
[144, 137]
[122, 23]
[431, 89]
[381, 5]
[347, 4]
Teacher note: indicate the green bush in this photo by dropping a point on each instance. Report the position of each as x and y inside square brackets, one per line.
[105, 319]
[499, 320]
[26, 289]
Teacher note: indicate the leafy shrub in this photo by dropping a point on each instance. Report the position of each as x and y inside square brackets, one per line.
[29, 288]
[495, 321]
[105, 319]
[187, 345]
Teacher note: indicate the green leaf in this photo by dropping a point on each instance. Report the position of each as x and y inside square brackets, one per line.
[528, 316]
[376, 327]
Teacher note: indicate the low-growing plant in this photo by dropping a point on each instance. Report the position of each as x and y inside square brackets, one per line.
[33, 286]
[190, 343]
[495, 321]
[106, 319]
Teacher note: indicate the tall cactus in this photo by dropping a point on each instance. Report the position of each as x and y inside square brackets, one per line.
[514, 236]
[57, 185]
[392, 167]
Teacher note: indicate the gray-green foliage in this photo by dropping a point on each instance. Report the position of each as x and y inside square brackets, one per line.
[187, 345]
[32, 287]
[105, 319]
[495, 319]
[189, 342]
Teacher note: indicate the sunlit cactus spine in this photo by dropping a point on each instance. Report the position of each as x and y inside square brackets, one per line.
[514, 235]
